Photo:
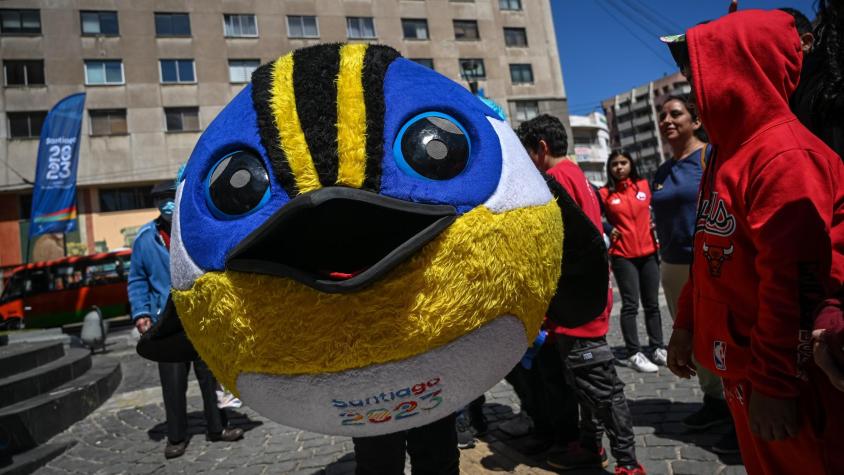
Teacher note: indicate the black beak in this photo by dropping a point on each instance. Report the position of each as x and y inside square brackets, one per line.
[339, 239]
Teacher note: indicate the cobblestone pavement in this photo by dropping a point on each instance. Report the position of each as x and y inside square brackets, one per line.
[127, 434]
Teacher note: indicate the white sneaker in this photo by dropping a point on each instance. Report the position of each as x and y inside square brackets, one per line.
[226, 400]
[642, 364]
[660, 357]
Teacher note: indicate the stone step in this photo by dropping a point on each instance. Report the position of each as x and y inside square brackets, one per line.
[32, 422]
[31, 460]
[42, 379]
[21, 357]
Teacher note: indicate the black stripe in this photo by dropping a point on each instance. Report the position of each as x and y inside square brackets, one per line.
[262, 87]
[375, 63]
[315, 85]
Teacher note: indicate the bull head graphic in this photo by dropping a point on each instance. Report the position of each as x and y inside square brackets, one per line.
[717, 249]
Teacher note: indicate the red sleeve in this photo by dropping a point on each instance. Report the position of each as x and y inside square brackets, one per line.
[790, 204]
[685, 306]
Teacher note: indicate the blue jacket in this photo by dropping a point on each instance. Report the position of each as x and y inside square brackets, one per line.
[674, 202]
[149, 273]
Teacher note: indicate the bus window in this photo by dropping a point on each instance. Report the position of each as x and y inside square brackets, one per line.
[14, 287]
[37, 281]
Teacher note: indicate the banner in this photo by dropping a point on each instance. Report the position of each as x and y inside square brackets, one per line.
[54, 194]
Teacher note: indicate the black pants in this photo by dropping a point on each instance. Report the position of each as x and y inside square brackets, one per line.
[638, 277]
[174, 386]
[432, 449]
[590, 370]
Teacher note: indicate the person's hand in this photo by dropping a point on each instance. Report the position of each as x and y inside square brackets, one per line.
[615, 235]
[773, 418]
[680, 354]
[828, 356]
[143, 324]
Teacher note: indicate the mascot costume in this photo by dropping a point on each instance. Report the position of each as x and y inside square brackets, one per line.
[360, 246]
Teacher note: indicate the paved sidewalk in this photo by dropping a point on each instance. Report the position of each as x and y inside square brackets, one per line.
[127, 434]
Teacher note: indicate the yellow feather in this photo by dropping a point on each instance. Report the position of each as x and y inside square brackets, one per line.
[351, 117]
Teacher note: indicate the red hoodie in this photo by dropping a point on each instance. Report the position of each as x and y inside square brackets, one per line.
[628, 209]
[770, 210]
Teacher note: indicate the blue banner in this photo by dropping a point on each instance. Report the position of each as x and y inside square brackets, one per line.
[54, 194]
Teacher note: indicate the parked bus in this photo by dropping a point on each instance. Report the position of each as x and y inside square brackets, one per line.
[59, 292]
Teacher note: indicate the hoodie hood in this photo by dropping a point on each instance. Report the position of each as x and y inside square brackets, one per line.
[744, 66]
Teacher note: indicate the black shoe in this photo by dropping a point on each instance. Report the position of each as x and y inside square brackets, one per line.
[536, 445]
[478, 422]
[229, 434]
[465, 437]
[713, 412]
[576, 457]
[173, 450]
[727, 444]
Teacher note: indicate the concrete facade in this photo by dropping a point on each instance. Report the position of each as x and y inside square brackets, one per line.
[591, 140]
[633, 123]
[144, 151]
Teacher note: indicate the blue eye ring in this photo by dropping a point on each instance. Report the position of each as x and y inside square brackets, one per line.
[214, 209]
[407, 168]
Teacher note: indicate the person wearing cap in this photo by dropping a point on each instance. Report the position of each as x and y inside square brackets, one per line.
[768, 235]
[149, 288]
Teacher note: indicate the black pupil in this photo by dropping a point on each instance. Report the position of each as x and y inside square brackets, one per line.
[238, 183]
[435, 147]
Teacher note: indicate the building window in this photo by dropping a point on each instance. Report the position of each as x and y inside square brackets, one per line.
[515, 37]
[427, 62]
[24, 72]
[240, 70]
[360, 27]
[99, 72]
[172, 24]
[512, 5]
[124, 199]
[24, 125]
[240, 26]
[466, 30]
[20, 21]
[472, 68]
[415, 29]
[182, 119]
[521, 74]
[526, 110]
[177, 71]
[302, 27]
[99, 23]
[108, 122]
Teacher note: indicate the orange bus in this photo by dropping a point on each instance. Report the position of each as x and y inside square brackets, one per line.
[58, 292]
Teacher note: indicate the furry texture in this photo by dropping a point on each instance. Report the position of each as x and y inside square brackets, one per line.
[286, 120]
[343, 403]
[351, 117]
[483, 266]
[375, 64]
[315, 90]
[262, 93]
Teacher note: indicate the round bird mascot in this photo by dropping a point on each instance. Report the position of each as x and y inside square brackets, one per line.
[360, 246]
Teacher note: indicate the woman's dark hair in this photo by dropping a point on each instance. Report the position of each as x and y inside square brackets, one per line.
[634, 169]
[830, 41]
[700, 133]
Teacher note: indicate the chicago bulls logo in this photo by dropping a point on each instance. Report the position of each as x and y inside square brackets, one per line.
[716, 249]
[717, 225]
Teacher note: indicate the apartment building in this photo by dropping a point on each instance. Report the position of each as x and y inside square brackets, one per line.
[633, 123]
[591, 139]
[156, 73]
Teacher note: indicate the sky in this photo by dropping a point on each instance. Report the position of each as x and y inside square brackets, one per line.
[611, 46]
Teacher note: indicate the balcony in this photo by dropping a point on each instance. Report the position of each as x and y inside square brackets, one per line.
[627, 141]
[642, 136]
[645, 119]
[622, 126]
[639, 105]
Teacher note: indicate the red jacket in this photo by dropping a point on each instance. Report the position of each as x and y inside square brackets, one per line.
[628, 209]
[770, 210]
[571, 177]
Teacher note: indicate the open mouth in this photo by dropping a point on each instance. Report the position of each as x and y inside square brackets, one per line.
[339, 239]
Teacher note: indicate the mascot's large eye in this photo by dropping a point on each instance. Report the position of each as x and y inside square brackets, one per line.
[432, 145]
[237, 185]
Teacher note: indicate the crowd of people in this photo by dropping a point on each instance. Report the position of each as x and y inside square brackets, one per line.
[743, 228]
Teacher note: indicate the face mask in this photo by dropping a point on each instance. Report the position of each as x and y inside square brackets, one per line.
[166, 208]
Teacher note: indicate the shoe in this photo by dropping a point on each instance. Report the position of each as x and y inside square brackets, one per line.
[713, 412]
[575, 457]
[465, 437]
[478, 422]
[629, 470]
[660, 357]
[520, 425]
[536, 445]
[229, 434]
[727, 444]
[173, 450]
[227, 400]
[642, 364]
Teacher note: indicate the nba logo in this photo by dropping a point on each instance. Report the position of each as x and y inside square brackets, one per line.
[719, 352]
